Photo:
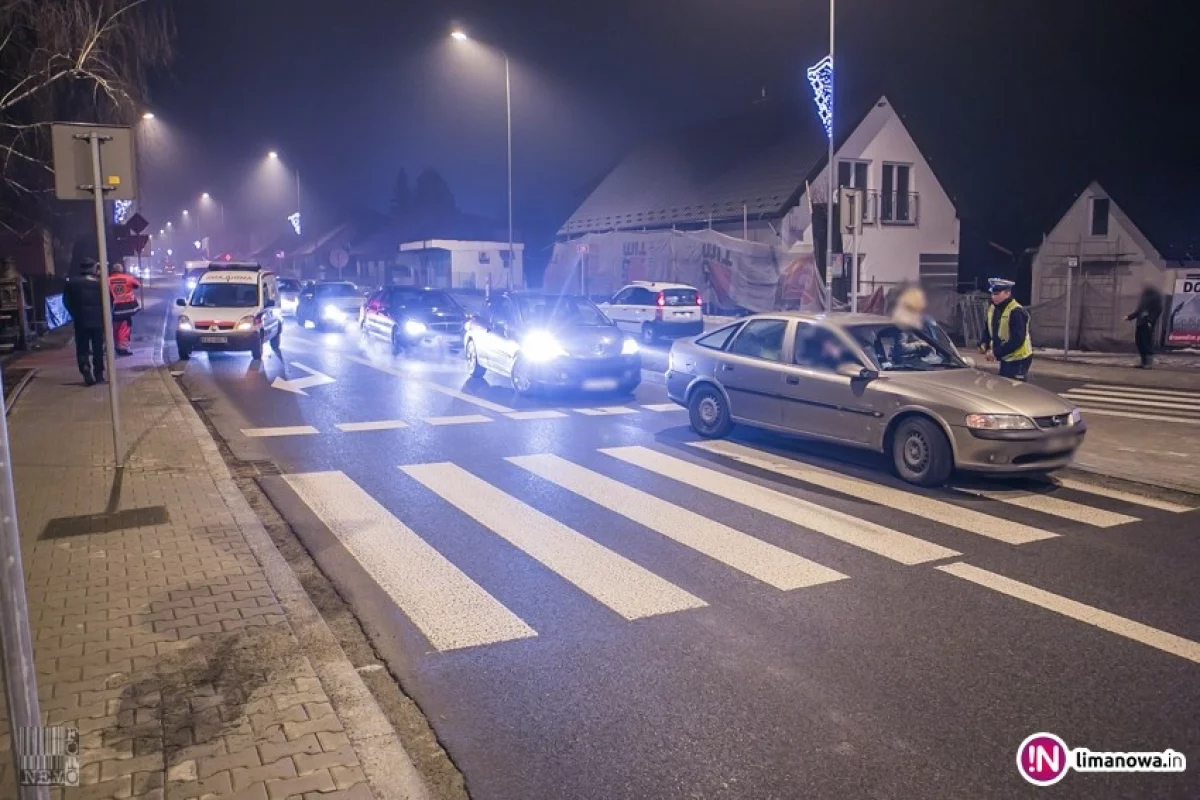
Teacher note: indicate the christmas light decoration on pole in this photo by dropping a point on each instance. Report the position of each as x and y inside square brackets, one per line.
[820, 75]
[121, 210]
[295, 220]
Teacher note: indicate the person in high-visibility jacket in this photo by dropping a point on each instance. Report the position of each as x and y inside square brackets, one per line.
[1006, 338]
[124, 289]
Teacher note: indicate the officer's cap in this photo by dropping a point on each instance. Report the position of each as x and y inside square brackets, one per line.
[1000, 285]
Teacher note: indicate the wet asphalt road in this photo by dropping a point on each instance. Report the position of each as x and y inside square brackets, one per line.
[788, 655]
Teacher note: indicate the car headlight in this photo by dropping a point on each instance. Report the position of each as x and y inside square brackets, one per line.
[191, 283]
[333, 314]
[185, 324]
[629, 347]
[1076, 416]
[540, 347]
[246, 323]
[1000, 422]
[414, 327]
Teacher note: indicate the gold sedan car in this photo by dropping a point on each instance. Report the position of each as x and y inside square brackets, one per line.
[864, 381]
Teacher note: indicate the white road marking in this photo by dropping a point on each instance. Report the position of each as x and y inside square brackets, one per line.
[853, 531]
[287, 430]
[449, 608]
[615, 581]
[966, 519]
[606, 411]
[546, 413]
[758, 559]
[1054, 506]
[298, 385]
[1125, 497]
[437, 387]
[1185, 394]
[378, 425]
[1116, 400]
[463, 419]
[1161, 640]
[664, 407]
[1104, 412]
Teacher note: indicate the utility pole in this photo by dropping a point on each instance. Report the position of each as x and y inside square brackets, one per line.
[508, 115]
[110, 364]
[830, 166]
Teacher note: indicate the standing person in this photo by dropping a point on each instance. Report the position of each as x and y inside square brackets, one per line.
[125, 304]
[1006, 338]
[86, 305]
[1149, 309]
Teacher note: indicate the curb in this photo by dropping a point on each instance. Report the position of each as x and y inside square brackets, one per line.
[15, 395]
[387, 766]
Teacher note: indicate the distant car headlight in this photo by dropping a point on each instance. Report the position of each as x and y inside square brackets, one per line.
[185, 324]
[1000, 422]
[629, 347]
[333, 314]
[289, 302]
[191, 283]
[541, 347]
[414, 327]
[246, 323]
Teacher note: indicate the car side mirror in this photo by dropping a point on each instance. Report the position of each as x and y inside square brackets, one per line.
[179, 301]
[856, 372]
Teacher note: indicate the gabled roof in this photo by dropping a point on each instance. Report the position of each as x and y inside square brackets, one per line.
[708, 171]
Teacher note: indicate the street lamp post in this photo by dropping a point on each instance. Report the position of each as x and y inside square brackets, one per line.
[274, 156]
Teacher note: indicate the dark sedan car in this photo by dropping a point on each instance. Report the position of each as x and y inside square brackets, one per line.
[328, 305]
[408, 317]
[545, 341]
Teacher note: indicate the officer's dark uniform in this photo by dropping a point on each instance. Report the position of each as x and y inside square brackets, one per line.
[1149, 309]
[86, 305]
[1007, 333]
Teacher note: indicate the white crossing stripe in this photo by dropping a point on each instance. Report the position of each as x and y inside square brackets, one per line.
[1104, 412]
[758, 559]
[1167, 642]
[843, 527]
[1185, 394]
[437, 387]
[663, 407]
[1133, 400]
[1054, 506]
[606, 411]
[450, 609]
[965, 519]
[1125, 497]
[626, 588]
[288, 430]
[464, 419]
[546, 413]
[378, 425]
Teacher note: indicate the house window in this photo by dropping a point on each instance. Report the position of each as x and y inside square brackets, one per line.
[897, 201]
[853, 174]
[1100, 209]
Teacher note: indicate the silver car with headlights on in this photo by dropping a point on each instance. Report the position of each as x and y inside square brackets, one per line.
[864, 381]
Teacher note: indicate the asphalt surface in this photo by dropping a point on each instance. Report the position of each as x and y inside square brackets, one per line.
[616, 613]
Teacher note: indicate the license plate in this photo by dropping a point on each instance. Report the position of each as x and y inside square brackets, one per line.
[684, 313]
[214, 340]
[600, 384]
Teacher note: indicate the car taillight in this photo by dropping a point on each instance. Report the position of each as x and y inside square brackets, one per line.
[662, 299]
[699, 299]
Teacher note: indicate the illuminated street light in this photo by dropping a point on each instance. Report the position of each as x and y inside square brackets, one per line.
[206, 196]
[459, 36]
[148, 115]
[293, 218]
[272, 155]
[185, 212]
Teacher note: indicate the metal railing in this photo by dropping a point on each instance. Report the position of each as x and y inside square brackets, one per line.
[896, 208]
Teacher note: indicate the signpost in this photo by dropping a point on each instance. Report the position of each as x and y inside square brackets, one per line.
[1072, 263]
[850, 204]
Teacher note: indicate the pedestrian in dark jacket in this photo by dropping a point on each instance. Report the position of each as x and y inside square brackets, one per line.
[84, 301]
[1147, 313]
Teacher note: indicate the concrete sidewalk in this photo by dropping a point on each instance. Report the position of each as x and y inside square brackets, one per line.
[168, 629]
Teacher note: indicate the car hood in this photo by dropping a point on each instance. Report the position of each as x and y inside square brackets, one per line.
[344, 303]
[202, 316]
[588, 341]
[979, 392]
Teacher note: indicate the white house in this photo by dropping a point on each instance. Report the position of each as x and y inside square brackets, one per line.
[1091, 268]
[456, 264]
[759, 175]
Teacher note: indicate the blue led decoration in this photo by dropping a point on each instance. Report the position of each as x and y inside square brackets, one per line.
[820, 75]
[121, 210]
[295, 220]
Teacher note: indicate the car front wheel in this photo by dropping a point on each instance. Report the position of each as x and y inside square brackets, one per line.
[522, 381]
[921, 452]
[709, 413]
[473, 366]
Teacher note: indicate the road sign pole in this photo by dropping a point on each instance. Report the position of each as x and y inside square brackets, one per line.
[110, 361]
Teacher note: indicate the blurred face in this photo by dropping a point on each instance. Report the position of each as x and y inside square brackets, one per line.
[1000, 295]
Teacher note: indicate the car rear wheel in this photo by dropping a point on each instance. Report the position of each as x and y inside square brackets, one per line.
[921, 452]
[473, 366]
[709, 413]
[648, 334]
[397, 343]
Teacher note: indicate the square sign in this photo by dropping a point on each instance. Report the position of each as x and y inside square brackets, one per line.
[73, 161]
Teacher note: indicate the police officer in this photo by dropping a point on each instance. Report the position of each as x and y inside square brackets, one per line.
[85, 303]
[1006, 338]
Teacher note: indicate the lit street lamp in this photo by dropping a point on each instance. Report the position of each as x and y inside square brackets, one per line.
[149, 115]
[461, 36]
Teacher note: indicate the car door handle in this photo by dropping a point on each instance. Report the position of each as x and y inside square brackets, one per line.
[727, 367]
[793, 380]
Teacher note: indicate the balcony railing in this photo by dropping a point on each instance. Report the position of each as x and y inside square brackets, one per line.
[897, 208]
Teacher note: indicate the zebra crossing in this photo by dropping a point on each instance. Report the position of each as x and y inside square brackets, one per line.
[1135, 402]
[454, 610]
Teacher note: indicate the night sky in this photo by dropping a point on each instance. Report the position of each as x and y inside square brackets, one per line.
[1017, 103]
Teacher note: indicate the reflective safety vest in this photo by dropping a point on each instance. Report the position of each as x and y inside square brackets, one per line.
[125, 301]
[1026, 348]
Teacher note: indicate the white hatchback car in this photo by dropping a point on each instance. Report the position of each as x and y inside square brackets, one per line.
[657, 310]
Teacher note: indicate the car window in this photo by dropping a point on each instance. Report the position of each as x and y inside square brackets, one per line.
[761, 338]
[225, 295]
[642, 297]
[896, 348]
[681, 297]
[719, 338]
[552, 309]
[622, 297]
[330, 291]
[820, 348]
[504, 311]
[289, 285]
[471, 302]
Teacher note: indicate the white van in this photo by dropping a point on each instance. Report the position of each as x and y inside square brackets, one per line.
[234, 307]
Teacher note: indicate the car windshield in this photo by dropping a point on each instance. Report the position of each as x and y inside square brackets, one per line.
[560, 310]
[430, 301]
[289, 285]
[471, 302]
[680, 297]
[901, 349]
[225, 295]
[334, 291]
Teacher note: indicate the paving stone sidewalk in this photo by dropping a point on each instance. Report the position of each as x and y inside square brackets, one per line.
[166, 626]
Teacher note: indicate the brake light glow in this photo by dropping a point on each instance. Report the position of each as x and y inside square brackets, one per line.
[662, 299]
